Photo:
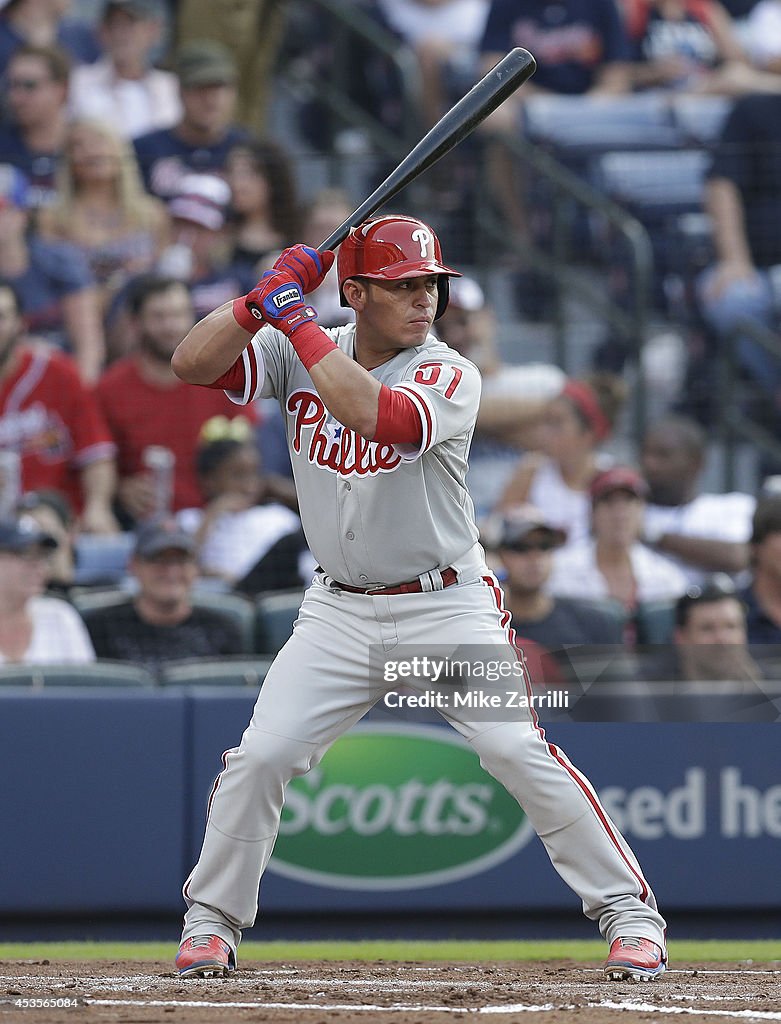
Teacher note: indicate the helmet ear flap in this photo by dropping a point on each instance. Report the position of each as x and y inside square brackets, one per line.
[443, 294]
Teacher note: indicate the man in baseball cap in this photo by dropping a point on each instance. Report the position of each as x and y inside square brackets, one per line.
[526, 544]
[206, 131]
[22, 535]
[526, 524]
[160, 622]
[160, 535]
[205, 62]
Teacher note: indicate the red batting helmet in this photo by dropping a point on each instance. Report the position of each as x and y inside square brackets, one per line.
[392, 248]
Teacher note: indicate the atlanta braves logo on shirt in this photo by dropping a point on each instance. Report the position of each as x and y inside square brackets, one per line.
[338, 450]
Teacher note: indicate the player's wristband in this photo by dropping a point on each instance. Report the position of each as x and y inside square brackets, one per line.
[243, 317]
[311, 343]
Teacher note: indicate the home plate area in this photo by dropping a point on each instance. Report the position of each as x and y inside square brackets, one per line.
[396, 992]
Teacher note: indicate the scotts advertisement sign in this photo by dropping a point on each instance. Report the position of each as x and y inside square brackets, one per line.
[387, 809]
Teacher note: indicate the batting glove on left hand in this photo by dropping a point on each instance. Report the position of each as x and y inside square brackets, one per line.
[278, 300]
[306, 265]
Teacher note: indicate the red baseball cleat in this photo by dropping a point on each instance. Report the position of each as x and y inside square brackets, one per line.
[208, 956]
[635, 960]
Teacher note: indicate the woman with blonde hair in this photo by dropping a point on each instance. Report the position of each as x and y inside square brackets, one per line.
[102, 207]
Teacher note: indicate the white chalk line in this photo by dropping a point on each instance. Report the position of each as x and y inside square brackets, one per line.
[142, 982]
[504, 1009]
[690, 971]
[692, 1011]
[324, 1007]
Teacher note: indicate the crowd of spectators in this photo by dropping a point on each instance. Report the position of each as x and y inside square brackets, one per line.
[139, 191]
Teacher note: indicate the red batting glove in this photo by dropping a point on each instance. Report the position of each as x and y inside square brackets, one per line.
[277, 300]
[278, 297]
[308, 266]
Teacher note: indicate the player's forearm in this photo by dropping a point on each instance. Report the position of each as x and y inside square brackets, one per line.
[349, 392]
[725, 207]
[211, 347]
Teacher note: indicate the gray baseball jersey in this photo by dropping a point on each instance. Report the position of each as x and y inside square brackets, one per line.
[377, 513]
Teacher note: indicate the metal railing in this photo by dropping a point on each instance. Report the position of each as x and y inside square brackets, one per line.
[349, 24]
[558, 259]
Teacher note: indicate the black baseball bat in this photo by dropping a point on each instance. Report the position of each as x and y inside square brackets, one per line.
[453, 127]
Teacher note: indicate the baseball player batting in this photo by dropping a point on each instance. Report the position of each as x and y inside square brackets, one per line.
[379, 417]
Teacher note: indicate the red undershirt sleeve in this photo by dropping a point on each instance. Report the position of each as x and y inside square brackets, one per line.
[232, 379]
[398, 421]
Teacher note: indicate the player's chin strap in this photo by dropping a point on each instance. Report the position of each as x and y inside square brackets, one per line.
[431, 580]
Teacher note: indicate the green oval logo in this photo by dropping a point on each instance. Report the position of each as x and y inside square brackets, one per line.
[391, 808]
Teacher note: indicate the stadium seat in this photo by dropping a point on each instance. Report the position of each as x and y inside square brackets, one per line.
[608, 606]
[581, 125]
[101, 560]
[700, 118]
[275, 615]
[88, 599]
[655, 622]
[218, 672]
[93, 674]
[652, 183]
[17, 675]
[665, 192]
[236, 607]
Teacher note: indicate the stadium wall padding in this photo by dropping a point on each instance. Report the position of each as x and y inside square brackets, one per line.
[104, 797]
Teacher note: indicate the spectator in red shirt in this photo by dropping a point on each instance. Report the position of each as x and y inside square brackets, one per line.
[145, 404]
[49, 417]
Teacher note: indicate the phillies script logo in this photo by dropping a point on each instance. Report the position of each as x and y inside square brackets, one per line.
[336, 448]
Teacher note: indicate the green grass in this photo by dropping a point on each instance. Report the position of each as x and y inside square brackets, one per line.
[685, 950]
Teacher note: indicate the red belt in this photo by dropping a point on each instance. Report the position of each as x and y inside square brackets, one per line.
[449, 577]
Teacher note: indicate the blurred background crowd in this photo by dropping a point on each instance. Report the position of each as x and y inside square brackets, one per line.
[618, 224]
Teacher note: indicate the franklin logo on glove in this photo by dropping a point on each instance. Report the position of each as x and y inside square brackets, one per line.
[282, 299]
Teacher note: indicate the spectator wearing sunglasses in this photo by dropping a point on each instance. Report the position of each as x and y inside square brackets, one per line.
[35, 629]
[525, 544]
[549, 628]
